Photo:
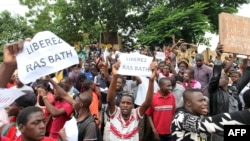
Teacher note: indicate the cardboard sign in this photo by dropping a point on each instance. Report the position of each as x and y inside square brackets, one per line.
[44, 55]
[234, 32]
[8, 96]
[135, 65]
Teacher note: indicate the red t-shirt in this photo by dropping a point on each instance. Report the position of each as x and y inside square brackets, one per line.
[59, 121]
[44, 139]
[162, 111]
[10, 131]
[4, 138]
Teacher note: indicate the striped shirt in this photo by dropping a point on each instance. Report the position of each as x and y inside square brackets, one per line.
[121, 130]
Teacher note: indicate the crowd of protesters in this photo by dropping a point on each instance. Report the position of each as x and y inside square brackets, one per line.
[184, 99]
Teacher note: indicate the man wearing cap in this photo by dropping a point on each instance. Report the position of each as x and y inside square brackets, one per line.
[29, 99]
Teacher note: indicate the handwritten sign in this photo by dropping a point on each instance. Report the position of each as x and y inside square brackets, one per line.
[135, 65]
[45, 54]
[234, 32]
[8, 96]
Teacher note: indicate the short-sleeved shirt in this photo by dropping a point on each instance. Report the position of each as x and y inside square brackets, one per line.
[59, 121]
[162, 111]
[89, 132]
[121, 130]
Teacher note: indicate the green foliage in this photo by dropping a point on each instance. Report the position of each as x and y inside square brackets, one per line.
[12, 28]
[189, 23]
[156, 20]
[213, 8]
[68, 19]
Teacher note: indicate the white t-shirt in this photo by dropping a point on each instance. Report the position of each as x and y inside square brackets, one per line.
[71, 129]
[142, 90]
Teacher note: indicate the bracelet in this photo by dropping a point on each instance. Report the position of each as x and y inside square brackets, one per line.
[44, 97]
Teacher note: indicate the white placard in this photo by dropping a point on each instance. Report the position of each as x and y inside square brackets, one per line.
[105, 54]
[160, 55]
[44, 55]
[135, 65]
[8, 96]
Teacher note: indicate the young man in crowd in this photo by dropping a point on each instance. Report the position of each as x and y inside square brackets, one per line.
[81, 105]
[202, 73]
[161, 111]
[31, 123]
[224, 98]
[124, 119]
[29, 99]
[189, 123]
[60, 111]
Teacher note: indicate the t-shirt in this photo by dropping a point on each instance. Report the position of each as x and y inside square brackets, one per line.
[142, 90]
[71, 129]
[59, 121]
[4, 138]
[162, 111]
[121, 130]
[90, 131]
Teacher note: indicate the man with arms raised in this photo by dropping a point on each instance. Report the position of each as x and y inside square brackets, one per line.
[124, 119]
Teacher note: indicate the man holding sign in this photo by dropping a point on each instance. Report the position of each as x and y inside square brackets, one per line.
[125, 113]
[46, 53]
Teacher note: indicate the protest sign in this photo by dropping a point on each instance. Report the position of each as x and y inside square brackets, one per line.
[135, 65]
[160, 55]
[8, 96]
[44, 55]
[234, 33]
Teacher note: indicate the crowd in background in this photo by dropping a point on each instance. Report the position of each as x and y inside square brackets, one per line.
[91, 101]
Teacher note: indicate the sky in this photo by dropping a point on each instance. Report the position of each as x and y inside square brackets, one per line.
[14, 7]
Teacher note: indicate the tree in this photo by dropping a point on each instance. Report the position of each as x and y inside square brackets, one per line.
[89, 16]
[213, 8]
[12, 28]
[187, 19]
[189, 23]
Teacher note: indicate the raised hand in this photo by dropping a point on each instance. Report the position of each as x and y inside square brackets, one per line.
[153, 67]
[10, 52]
[115, 68]
[219, 49]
